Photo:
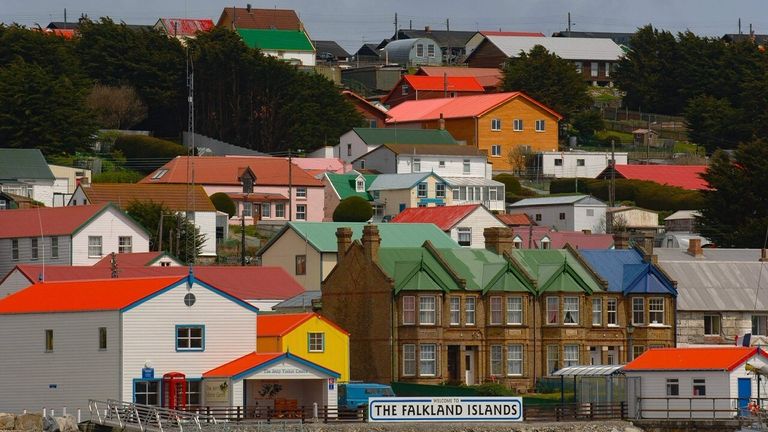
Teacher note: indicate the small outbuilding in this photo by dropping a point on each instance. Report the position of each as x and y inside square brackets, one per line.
[696, 382]
[413, 52]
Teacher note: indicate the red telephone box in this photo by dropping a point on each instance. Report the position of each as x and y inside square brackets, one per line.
[175, 390]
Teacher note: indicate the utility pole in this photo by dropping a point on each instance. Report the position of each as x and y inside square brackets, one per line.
[65, 16]
[569, 24]
[396, 26]
[611, 189]
[290, 187]
[448, 50]
[445, 84]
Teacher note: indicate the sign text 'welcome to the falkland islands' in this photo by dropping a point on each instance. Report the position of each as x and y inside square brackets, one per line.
[429, 409]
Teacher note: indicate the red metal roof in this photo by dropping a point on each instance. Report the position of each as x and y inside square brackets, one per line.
[186, 26]
[173, 196]
[680, 359]
[438, 83]
[511, 33]
[487, 77]
[515, 219]
[242, 364]
[46, 221]
[246, 283]
[444, 217]
[224, 170]
[133, 259]
[83, 295]
[458, 107]
[558, 239]
[282, 324]
[683, 176]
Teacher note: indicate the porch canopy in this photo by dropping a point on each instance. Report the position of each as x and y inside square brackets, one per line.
[600, 370]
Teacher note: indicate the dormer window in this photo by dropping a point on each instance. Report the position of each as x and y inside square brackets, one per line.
[518, 242]
[545, 243]
[360, 184]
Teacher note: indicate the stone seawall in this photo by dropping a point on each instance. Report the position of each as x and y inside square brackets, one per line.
[35, 422]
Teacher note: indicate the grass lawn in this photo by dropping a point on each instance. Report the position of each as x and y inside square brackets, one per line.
[546, 398]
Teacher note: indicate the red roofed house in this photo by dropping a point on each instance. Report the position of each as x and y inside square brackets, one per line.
[685, 381]
[544, 237]
[264, 19]
[174, 196]
[309, 335]
[139, 259]
[274, 197]
[183, 28]
[79, 236]
[495, 123]
[489, 78]
[682, 176]
[516, 219]
[120, 338]
[464, 223]
[418, 87]
[262, 287]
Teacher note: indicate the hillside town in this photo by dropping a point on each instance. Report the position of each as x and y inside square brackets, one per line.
[227, 219]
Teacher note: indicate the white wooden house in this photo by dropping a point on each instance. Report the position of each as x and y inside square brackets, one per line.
[80, 235]
[464, 223]
[690, 382]
[564, 213]
[117, 338]
[576, 163]
[359, 141]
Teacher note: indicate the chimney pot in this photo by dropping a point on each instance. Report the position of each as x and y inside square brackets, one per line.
[343, 240]
[586, 231]
[371, 242]
[621, 240]
[499, 239]
[694, 248]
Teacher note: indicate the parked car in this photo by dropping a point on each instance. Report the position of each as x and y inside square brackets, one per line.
[355, 395]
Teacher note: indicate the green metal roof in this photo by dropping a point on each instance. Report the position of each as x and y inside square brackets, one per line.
[556, 270]
[288, 40]
[416, 269]
[345, 184]
[23, 164]
[485, 271]
[381, 136]
[322, 235]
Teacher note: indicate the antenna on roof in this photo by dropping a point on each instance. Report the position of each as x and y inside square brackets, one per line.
[189, 225]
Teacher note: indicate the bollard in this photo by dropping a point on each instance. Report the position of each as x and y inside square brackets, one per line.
[314, 410]
[24, 412]
[53, 414]
[64, 411]
[45, 412]
[78, 416]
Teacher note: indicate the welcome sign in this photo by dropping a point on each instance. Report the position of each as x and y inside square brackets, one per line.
[445, 409]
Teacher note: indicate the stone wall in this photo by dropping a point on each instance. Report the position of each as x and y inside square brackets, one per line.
[690, 328]
[35, 422]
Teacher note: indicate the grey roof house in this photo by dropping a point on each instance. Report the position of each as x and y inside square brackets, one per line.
[564, 213]
[25, 172]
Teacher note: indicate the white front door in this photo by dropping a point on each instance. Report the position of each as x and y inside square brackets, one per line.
[469, 367]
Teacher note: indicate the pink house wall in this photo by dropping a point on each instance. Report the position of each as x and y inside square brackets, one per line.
[314, 200]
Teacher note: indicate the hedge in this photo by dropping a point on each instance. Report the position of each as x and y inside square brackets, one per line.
[353, 209]
[223, 203]
[144, 147]
[645, 194]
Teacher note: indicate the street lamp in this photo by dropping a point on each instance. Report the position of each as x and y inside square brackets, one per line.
[630, 348]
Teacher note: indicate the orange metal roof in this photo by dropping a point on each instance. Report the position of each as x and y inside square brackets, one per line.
[45, 221]
[458, 107]
[132, 259]
[677, 359]
[174, 196]
[224, 170]
[438, 83]
[282, 324]
[444, 217]
[515, 219]
[83, 295]
[242, 364]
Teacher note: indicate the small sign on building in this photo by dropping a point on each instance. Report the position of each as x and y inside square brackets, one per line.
[331, 383]
[445, 409]
[147, 373]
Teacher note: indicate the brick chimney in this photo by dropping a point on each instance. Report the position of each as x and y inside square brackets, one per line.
[586, 231]
[441, 122]
[694, 248]
[343, 239]
[621, 240]
[499, 239]
[371, 242]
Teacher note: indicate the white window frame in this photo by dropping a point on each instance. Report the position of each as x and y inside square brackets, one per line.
[280, 210]
[427, 360]
[316, 342]
[246, 209]
[125, 244]
[540, 125]
[656, 310]
[301, 192]
[673, 387]
[440, 190]
[553, 358]
[517, 125]
[638, 311]
[54, 247]
[466, 167]
[464, 236]
[266, 210]
[515, 360]
[301, 212]
[759, 322]
[714, 321]
[702, 384]
[419, 50]
[553, 310]
[496, 150]
[427, 310]
[514, 310]
[594, 69]
[470, 311]
[495, 125]
[359, 185]
[455, 310]
[570, 355]
[422, 190]
[496, 358]
[496, 309]
[95, 245]
[416, 165]
[409, 359]
[34, 248]
[571, 311]
[597, 312]
[431, 50]
[409, 310]
[612, 314]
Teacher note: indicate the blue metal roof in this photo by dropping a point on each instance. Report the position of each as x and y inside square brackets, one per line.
[627, 272]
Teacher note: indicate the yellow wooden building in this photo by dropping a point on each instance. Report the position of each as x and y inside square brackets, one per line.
[495, 123]
[308, 335]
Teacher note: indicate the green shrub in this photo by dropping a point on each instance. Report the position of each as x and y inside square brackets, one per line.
[121, 176]
[223, 203]
[143, 147]
[493, 389]
[353, 209]
[645, 194]
[511, 183]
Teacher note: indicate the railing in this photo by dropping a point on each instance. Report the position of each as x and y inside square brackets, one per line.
[700, 407]
[303, 414]
[575, 411]
[145, 417]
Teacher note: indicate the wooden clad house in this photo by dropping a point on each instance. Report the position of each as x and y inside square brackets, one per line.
[494, 123]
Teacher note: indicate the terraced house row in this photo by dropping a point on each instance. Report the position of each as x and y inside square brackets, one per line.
[432, 315]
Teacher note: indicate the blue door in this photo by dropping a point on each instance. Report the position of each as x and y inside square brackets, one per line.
[745, 393]
[402, 207]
